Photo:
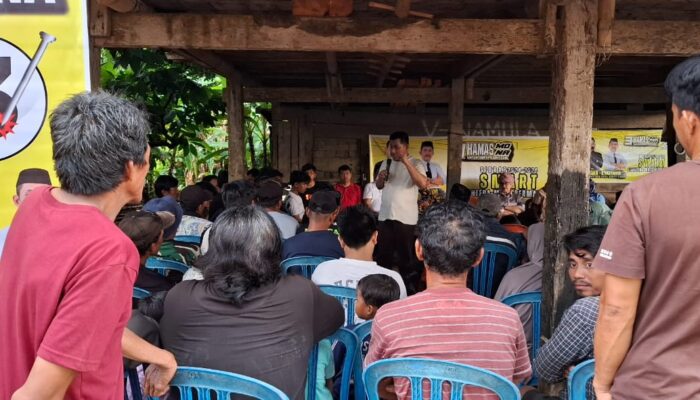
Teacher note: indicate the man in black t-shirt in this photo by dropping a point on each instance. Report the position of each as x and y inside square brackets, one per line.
[317, 240]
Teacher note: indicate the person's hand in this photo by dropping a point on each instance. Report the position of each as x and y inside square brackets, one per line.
[158, 378]
[567, 371]
[602, 392]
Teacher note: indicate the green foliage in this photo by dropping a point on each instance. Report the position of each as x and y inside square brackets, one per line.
[187, 112]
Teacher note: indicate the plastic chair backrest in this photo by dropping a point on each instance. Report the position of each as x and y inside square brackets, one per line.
[363, 332]
[483, 274]
[437, 372]
[195, 239]
[535, 300]
[140, 293]
[578, 380]
[347, 297]
[162, 266]
[203, 381]
[350, 341]
[304, 266]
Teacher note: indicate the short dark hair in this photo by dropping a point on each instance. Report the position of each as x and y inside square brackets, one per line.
[587, 239]
[222, 177]
[143, 228]
[400, 136]
[460, 192]
[238, 194]
[613, 140]
[164, 183]
[378, 289]
[427, 143]
[209, 178]
[254, 172]
[245, 251]
[208, 186]
[344, 167]
[683, 84]
[452, 235]
[308, 167]
[356, 226]
[299, 177]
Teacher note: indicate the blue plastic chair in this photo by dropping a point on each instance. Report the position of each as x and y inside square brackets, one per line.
[363, 332]
[578, 380]
[194, 239]
[162, 266]
[203, 381]
[437, 372]
[140, 293]
[482, 277]
[535, 300]
[347, 297]
[351, 343]
[304, 266]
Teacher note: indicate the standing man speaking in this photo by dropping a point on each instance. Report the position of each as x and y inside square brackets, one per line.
[400, 177]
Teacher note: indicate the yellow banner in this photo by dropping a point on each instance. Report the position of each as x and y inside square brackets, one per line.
[637, 153]
[43, 60]
[625, 156]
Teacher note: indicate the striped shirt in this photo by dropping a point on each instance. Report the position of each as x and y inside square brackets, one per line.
[451, 324]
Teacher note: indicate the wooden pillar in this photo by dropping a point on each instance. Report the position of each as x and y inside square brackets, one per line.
[454, 138]
[571, 120]
[233, 96]
[99, 25]
[274, 135]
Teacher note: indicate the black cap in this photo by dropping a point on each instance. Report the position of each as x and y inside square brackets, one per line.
[324, 201]
[269, 191]
[33, 175]
[193, 196]
[299, 177]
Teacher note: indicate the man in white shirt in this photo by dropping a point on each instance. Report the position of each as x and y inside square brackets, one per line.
[372, 196]
[294, 205]
[433, 170]
[269, 197]
[358, 237]
[400, 178]
[27, 180]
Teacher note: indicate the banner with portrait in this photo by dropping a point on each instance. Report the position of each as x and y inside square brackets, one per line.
[43, 60]
[627, 155]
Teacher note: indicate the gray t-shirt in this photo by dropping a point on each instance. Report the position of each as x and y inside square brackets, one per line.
[269, 337]
[287, 225]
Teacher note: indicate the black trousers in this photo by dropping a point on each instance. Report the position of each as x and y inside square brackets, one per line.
[396, 248]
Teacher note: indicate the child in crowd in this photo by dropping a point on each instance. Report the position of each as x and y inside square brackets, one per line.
[373, 291]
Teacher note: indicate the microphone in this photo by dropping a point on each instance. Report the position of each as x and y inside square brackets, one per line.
[388, 165]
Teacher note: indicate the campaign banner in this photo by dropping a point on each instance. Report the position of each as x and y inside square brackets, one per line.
[627, 155]
[43, 60]
[636, 153]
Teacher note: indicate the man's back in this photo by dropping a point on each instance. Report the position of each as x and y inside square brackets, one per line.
[287, 225]
[61, 265]
[192, 226]
[316, 243]
[452, 324]
[652, 236]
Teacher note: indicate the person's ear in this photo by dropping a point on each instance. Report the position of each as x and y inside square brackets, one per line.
[419, 251]
[375, 238]
[15, 199]
[342, 243]
[691, 119]
[371, 310]
[478, 259]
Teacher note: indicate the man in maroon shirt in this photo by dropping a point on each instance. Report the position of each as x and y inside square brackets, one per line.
[648, 331]
[350, 193]
[67, 272]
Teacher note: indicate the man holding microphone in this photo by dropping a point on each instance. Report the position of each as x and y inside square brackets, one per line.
[400, 177]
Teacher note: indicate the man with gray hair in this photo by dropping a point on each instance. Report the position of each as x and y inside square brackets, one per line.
[28, 180]
[67, 273]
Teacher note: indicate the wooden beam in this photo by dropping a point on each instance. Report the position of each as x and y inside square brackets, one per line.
[549, 12]
[125, 6]
[456, 133]
[571, 120]
[334, 81]
[100, 20]
[211, 61]
[387, 7]
[606, 15]
[523, 95]
[403, 8]
[384, 72]
[243, 32]
[233, 95]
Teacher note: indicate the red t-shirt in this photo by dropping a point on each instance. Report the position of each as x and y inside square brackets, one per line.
[350, 195]
[66, 279]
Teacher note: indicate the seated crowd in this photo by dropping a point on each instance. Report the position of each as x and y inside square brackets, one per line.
[234, 309]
